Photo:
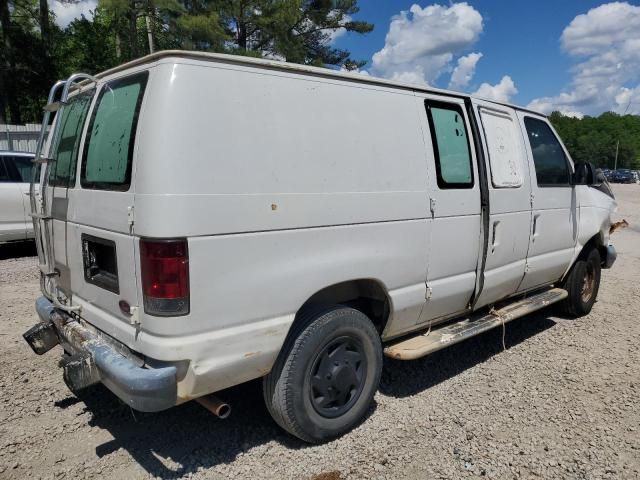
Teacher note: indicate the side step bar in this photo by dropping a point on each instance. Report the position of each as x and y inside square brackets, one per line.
[441, 337]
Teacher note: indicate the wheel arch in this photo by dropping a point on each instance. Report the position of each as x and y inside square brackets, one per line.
[596, 241]
[368, 295]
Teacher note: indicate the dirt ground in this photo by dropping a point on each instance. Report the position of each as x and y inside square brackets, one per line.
[561, 402]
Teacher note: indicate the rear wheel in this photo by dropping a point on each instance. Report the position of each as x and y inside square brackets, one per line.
[326, 375]
[582, 284]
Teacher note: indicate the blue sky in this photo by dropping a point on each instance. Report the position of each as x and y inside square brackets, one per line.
[581, 57]
[520, 39]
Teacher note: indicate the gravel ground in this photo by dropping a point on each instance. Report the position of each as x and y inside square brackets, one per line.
[560, 402]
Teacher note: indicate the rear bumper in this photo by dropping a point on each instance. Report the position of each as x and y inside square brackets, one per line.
[94, 358]
[610, 257]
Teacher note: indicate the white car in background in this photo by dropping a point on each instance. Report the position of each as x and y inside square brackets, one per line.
[15, 174]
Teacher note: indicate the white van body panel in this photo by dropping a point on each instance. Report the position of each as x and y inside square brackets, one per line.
[246, 172]
[595, 217]
[288, 180]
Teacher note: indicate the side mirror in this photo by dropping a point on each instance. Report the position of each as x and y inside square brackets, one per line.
[586, 174]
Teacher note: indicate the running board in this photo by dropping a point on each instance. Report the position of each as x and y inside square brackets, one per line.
[441, 337]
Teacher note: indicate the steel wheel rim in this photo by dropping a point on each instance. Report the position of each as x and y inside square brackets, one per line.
[337, 376]
[588, 283]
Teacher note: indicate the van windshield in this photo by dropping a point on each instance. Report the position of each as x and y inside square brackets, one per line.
[108, 150]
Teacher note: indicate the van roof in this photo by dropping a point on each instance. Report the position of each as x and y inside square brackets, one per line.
[297, 68]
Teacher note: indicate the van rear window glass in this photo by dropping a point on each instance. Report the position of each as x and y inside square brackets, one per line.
[67, 143]
[451, 145]
[111, 136]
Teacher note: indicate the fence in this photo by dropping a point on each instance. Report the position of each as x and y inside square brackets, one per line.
[19, 138]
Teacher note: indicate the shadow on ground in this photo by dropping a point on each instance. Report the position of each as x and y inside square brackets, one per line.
[187, 438]
[18, 250]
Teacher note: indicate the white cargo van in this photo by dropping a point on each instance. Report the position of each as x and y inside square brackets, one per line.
[205, 220]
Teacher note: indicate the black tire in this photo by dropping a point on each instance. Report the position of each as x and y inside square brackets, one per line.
[582, 283]
[335, 343]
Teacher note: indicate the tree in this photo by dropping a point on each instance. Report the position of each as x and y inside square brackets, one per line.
[37, 52]
[297, 30]
[596, 139]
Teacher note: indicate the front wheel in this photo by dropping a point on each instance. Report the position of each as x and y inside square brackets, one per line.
[582, 283]
[324, 379]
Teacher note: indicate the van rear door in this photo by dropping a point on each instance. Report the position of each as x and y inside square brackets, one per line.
[99, 244]
[65, 147]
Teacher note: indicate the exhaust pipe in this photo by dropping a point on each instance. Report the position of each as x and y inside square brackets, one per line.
[216, 406]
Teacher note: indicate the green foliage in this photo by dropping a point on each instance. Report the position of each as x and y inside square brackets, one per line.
[33, 57]
[594, 139]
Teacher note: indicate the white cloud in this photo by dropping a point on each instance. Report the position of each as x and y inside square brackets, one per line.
[66, 12]
[605, 43]
[464, 71]
[333, 35]
[421, 42]
[500, 92]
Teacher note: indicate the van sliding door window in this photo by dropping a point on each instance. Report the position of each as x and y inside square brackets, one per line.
[450, 144]
[108, 150]
[67, 143]
[552, 169]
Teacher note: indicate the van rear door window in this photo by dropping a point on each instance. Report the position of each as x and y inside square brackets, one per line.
[67, 144]
[111, 136]
[450, 144]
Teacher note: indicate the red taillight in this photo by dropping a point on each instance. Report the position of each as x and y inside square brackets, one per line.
[165, 276]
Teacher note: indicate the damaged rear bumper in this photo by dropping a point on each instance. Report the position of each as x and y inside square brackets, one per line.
[95, 358]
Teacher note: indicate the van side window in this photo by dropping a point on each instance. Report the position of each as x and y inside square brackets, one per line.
[552, 168]
[450, 145]
[67, 144]
[111, 135]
